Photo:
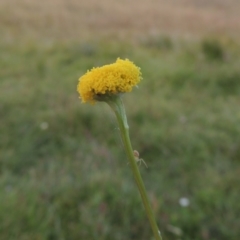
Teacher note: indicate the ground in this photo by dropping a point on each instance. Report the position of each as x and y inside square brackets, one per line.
[78, 19]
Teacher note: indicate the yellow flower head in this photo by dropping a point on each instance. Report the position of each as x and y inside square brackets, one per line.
[118, 77]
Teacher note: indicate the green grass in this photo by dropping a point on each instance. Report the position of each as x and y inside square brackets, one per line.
[71, 180]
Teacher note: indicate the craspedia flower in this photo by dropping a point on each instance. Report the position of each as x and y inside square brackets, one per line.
[112, 79]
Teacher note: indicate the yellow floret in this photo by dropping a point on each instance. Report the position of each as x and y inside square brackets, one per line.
[119, 77]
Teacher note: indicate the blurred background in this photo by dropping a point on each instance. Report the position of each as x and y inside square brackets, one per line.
[63, 171]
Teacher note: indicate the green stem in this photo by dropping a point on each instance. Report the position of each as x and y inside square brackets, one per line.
[117, 106]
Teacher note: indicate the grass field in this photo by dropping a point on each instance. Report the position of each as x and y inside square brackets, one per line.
[63, 171]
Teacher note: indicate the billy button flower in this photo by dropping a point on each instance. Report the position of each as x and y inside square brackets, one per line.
[107, 84]
[119, 77]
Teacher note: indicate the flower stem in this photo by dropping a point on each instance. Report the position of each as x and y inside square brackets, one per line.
[117, 106]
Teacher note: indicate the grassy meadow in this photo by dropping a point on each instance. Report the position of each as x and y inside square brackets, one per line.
[63, 171]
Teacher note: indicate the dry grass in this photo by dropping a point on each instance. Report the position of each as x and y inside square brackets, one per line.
[78, 18]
